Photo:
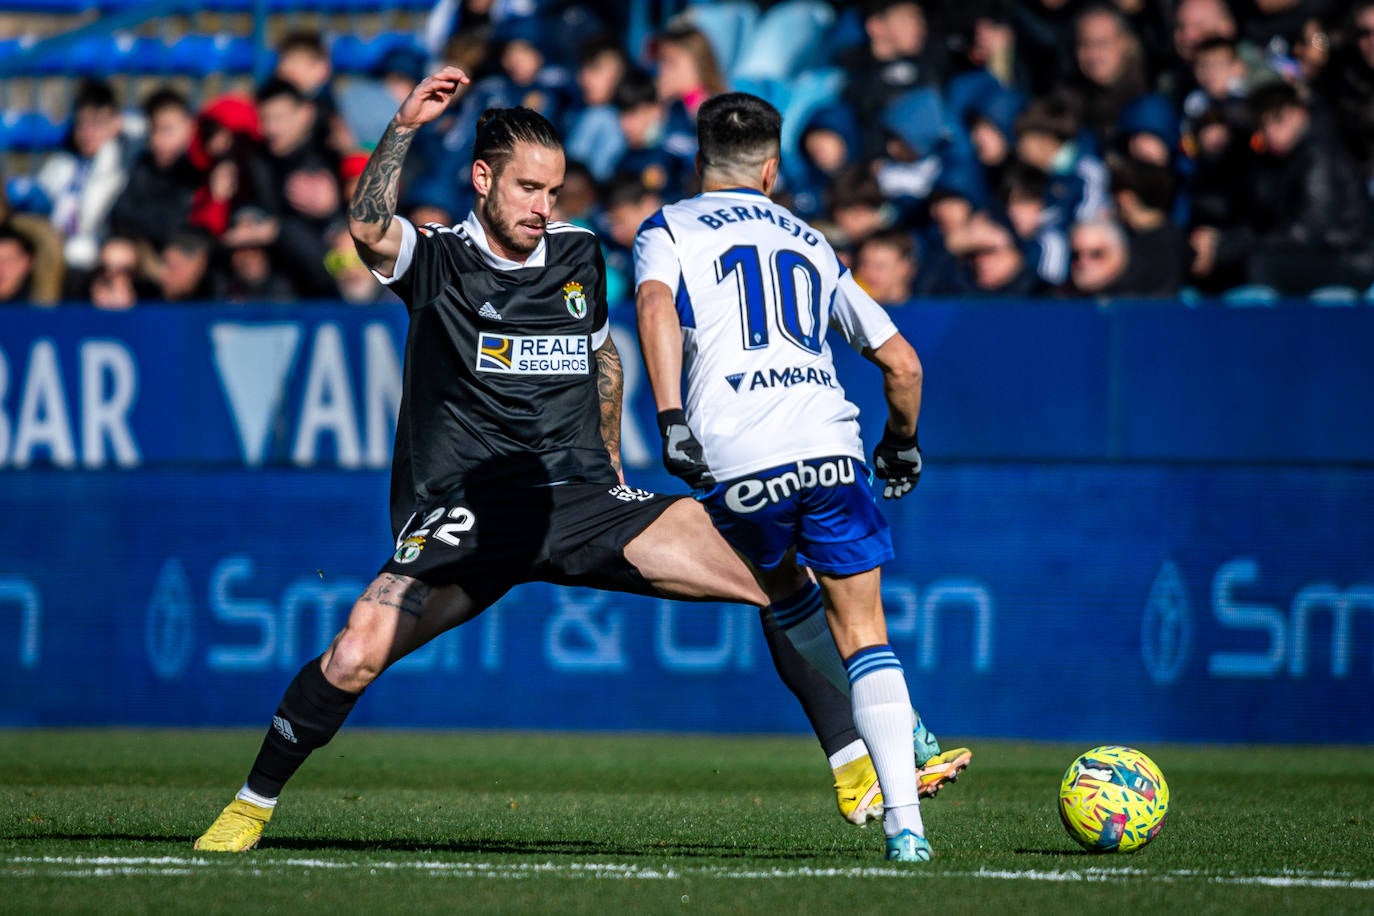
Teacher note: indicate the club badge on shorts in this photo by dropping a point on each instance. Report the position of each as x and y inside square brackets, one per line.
[574, 299]
[410, 549]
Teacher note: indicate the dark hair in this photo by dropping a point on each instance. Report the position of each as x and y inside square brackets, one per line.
[635, 88]
[1049, 115]
[190, 239]
[499, 129]
[898, 239]
[276, 87]
[1215, 43]
[1272, 98]
[596, 45]
[166, 97]
[94, 93]
[1023, 180]
[1153, 184]
[854, 186]
[8, 232]
[302, 40]
[625, 188]
[736, 129]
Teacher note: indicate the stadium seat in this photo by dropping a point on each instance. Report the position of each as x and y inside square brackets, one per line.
[1334, 295]
[203, 55]
[30, 132]
[1253, 294]
[727, 26]
[355, 54]
[789, 38]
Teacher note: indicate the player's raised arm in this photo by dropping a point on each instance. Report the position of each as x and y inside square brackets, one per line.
[376, 234]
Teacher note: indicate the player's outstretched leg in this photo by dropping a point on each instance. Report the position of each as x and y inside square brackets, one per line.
[393, 617]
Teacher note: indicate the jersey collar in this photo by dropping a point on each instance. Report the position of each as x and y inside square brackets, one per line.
[473, 227]
[752, 192]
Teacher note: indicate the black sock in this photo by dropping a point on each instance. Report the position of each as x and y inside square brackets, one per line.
[311, 711]
[829, 710]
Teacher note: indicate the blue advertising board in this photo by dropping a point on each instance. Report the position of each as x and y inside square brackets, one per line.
[192, 499]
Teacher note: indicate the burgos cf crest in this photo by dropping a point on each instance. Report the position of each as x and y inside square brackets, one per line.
[574, 299]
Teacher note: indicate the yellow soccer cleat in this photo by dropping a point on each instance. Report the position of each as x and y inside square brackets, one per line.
[857, 792]
[940, 770]
[237, 829]
[861, 800]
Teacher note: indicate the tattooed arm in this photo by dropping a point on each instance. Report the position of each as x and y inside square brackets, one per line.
[375, 233]
[610, 388]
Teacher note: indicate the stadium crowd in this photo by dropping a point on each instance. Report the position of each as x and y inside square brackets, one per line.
[974, 148]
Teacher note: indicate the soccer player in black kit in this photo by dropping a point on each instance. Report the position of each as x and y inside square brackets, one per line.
[506, 466]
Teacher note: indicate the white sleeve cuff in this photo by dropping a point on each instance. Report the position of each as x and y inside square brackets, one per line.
[600, 334]
[403, 259]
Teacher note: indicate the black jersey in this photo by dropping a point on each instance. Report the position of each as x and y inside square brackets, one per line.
[500, 376]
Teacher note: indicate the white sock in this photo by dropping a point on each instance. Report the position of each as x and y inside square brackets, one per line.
[802, 618]
[253, 798]
[882, 717]
[848, 754]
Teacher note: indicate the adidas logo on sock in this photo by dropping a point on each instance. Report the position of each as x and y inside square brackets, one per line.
[489, 311]
[283, 728]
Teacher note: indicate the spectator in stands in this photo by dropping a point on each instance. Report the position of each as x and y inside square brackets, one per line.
[356, 284]
[247, 272]
[1110, 71]
[994, 262]
[1196, 21]
[664, 162]
[829, 141]
[367, 102]
[297, 181]
[857, 206]
[900, 54]
[1223, 83]
[1310, 226]
[16, 266]
[991, 122]
[1100, 260]
[226, 139]
[116, 283]
[627, 203]
[83, 180]
[303, 61]
[44, 283]
[1046, 139]
[885, 266]
[593, 131]
[1043, 239]
[687, 70]
[1349, 85]
[183, 274]
[1159, 252]
[578, 201]
[163, 182]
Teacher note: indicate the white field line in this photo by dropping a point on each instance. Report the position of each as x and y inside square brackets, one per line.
[171, 866]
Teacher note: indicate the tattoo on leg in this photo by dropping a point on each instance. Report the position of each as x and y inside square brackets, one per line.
[405, 595]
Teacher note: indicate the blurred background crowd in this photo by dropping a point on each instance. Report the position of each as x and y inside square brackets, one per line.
[1103, 149]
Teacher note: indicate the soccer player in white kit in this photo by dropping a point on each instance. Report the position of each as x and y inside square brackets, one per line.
[738, 292]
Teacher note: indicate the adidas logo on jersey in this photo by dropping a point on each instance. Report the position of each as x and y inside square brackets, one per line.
[489, 311]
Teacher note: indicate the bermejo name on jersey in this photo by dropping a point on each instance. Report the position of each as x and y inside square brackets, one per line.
[756, 288]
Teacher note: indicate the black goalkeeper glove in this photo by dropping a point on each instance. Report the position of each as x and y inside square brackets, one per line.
[898, 461]
[683, 455]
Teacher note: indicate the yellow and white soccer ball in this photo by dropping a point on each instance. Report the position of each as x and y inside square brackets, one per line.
[1113, 799]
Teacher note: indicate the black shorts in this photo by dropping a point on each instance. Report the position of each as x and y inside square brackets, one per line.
[492, 537]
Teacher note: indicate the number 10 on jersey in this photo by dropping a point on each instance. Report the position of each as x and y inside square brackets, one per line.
[795, 285]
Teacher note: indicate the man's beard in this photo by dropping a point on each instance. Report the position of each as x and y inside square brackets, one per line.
[500, 227]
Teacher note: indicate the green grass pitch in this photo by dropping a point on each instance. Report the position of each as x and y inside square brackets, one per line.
[101, 821]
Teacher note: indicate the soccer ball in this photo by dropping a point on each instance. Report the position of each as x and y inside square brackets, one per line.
[1113, 799]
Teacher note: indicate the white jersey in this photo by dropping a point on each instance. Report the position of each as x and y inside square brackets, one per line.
[756, 288]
